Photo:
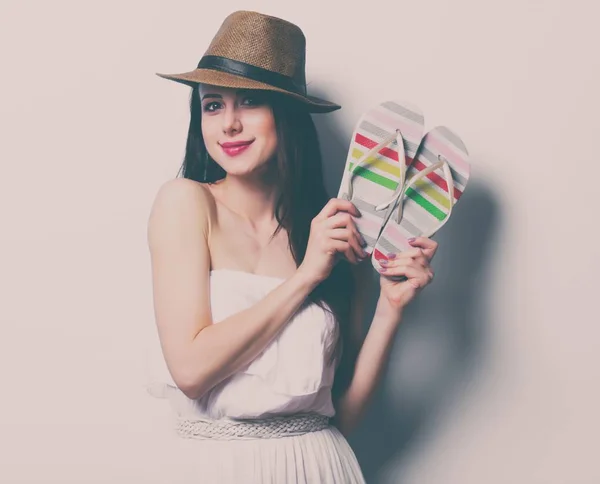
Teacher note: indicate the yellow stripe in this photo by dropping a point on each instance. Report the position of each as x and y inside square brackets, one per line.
[426, 186]
[380, 163]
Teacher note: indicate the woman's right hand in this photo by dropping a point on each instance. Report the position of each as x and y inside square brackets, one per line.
[332, 232]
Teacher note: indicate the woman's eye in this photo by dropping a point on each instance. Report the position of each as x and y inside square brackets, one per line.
[210, 107]
[252, 101]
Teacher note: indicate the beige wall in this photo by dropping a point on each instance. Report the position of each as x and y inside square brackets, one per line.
[494, 377]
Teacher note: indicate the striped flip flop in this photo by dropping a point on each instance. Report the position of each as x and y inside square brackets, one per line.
[424, 205]
[383, 144]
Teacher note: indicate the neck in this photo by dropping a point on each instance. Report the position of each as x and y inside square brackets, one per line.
[252, 198]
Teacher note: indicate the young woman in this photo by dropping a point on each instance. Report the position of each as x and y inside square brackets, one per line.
[258, 277]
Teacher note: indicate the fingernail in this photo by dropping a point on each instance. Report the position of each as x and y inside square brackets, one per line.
[383, 262]
[391, 256]
[363, 241]
[412, 239]
[383, 269]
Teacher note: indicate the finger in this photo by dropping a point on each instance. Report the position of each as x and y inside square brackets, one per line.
[419, 260]
[412, 255]
[356, 233]
[416, 276]
[347, 235]
[423, 243]
[345, 249]
[415, 252]
[335, 205]
[404, 262]
[353, 240]
[352, 257]
[421, 281]
[405, 270]
[428, 245]
[344, 220]
[339, 234]
[411, 263]
[340, 219]
[334, 246]
[357, 243]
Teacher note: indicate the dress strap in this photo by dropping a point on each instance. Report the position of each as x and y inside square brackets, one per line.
[269, 428]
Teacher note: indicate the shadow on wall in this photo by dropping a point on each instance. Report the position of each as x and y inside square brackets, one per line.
[441, 344]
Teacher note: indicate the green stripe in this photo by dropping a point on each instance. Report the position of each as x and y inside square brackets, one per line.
[392, 185]
[426, 204]
[364, 172]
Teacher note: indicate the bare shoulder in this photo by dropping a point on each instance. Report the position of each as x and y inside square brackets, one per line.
[180, 204]
[183, 190]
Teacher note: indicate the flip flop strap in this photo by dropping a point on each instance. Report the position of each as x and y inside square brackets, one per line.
[443, 163]
[397, 135]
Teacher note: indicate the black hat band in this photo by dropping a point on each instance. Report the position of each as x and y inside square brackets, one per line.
[238, 68]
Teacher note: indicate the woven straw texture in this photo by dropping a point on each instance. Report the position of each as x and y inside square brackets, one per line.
[274, 427]
[262, 41]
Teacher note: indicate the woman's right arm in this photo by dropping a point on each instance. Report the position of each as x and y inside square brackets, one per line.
[200, 354]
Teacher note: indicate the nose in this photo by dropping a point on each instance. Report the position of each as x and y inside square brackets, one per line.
[231, 122]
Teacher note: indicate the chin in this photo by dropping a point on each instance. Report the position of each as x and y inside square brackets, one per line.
[241, 167]
[240, 173]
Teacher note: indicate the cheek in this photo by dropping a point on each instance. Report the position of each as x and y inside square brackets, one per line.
[263, 125]
[270, 141]
[271, 134]
[207, 129]
[211, 136]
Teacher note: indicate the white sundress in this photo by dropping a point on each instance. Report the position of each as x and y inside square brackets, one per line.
[293, 375]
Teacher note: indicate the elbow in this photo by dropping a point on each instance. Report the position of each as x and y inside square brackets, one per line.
[191, 391]
[342, 425]
[346, 420]
[193, 385]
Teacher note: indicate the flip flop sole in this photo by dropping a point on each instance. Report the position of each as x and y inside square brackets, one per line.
[427, 202]
[376, 180]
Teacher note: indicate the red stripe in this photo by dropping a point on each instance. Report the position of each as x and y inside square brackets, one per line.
[438, 180]
[387, 152]
[379, 255]
[393, 155]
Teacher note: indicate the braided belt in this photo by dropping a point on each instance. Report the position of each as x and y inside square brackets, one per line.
[269, 428]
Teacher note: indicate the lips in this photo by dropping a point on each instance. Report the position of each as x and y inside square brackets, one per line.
[235, 147]
[235, 144]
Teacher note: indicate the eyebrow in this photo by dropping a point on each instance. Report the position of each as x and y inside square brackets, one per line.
[217, 96]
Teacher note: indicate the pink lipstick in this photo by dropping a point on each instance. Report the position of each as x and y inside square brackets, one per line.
[236, 147]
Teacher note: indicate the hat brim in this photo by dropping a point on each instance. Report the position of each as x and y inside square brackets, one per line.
[224, 79]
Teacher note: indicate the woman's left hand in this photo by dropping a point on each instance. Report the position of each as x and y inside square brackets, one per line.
[412, 264]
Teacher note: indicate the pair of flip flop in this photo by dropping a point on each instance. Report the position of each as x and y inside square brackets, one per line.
[404, 184]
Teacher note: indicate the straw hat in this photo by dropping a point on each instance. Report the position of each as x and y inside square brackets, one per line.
[256, 51]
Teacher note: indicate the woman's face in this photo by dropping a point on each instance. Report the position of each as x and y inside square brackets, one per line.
[238, 128]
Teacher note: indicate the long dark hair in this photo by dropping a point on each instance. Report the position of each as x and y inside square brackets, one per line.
[301, 196]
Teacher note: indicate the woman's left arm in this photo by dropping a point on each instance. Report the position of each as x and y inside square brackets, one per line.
[376, 346]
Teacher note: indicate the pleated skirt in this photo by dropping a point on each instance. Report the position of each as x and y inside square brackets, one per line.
[319, 457]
